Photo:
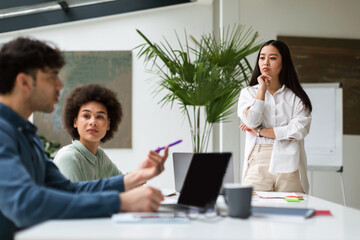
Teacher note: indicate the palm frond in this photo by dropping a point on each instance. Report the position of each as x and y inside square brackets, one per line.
[207, 73]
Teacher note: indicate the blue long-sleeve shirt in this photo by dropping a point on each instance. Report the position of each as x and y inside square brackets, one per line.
[32, 189]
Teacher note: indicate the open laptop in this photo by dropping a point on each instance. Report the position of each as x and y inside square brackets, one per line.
[181, 162]
[202, 183]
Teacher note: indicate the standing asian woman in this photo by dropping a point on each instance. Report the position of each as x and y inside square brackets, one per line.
[276, 116]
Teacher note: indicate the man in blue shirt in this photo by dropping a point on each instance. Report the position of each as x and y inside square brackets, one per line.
[32, 189]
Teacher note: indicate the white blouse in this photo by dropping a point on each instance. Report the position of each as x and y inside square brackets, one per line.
[287, 115]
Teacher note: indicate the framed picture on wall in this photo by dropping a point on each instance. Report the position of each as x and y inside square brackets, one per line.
[111, 69]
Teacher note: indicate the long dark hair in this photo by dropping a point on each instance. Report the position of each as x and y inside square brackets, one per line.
[287, 74]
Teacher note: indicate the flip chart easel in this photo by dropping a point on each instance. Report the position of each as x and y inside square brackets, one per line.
[323, 145]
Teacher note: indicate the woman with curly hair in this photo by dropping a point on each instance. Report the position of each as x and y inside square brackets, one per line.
[91, 115]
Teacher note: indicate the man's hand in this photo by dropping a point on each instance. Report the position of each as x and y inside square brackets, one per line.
[151, 166]
[141, 199]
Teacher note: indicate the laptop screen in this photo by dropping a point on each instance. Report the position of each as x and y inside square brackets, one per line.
[181, 162]
[204, 179]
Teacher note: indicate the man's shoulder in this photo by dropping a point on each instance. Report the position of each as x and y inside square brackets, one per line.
[4, 121]
[6, 127]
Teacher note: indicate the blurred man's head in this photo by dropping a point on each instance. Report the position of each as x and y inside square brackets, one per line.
[31, 67]
[26, 55]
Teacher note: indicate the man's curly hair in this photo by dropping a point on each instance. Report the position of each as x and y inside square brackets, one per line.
[88, 93]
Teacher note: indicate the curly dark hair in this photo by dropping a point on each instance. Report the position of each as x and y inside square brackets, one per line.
[88, 93]
[26, 55]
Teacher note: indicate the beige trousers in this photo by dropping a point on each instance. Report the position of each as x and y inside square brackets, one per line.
[257, 173]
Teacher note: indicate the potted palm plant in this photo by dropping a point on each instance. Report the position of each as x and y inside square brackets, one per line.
[204, 76]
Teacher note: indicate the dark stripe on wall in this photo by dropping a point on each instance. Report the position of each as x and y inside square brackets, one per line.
[76, 13]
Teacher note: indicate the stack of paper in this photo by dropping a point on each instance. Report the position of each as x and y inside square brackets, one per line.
[266, 212]
[276, 197]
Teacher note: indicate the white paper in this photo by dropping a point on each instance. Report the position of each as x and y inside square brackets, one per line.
[155, 217]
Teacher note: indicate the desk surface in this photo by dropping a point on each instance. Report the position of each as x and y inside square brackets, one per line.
[344, 224]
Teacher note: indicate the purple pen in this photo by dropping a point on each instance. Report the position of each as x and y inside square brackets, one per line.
[171, 144]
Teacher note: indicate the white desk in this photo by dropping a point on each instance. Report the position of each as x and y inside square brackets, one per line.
[344, 224]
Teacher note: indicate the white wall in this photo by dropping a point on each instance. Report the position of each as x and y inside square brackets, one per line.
[152, 125]
[226, 136]
[320, 18]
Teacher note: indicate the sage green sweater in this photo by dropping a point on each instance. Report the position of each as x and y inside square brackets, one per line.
[77, 163]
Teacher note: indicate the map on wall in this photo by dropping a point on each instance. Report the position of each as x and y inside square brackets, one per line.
[111, 69]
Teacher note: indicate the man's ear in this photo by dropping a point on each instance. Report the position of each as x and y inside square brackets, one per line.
[24, 81]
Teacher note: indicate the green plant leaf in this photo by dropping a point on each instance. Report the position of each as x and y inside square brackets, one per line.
[49, 147]
[208, 72]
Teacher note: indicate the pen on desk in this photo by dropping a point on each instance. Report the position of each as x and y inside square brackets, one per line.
[171, 144]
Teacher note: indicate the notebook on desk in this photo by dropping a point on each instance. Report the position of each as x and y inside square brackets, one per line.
[202, 183]
[181, 163]
[282, 212]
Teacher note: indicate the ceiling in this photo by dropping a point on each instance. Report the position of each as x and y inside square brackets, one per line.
[24, 14]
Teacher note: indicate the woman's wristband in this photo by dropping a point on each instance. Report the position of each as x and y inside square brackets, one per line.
[258, 131]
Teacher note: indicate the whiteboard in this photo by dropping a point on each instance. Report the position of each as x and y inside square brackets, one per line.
[323, 145]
